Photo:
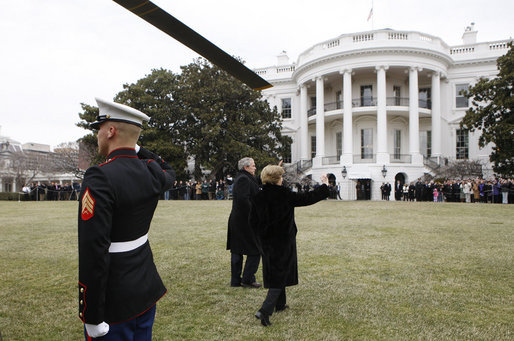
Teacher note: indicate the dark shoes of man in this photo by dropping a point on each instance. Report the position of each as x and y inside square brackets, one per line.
[260, 315]
[254, 285]
[281, 308]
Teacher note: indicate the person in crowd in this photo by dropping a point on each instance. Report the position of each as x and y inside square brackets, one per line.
[505, 187]
[240, 238]
[436, 194]
[119, 285]
[466, 187]
[198, 189]
[398, 191]
[205, 190]
[405, 192]
[272, 220]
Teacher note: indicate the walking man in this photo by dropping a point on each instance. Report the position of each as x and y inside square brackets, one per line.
[240, 238]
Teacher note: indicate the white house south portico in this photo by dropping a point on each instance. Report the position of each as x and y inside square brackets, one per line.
[379, 106]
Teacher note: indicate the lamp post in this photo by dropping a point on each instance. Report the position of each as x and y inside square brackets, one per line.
[344, 172]
[384, 171]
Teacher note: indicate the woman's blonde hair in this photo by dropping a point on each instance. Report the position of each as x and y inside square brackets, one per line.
[271, 174]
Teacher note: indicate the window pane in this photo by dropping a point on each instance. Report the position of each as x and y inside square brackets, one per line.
[397, 144]
[366, 95]
[313, 146]
[286, 107]
[339, 144]
[367, 143]
[462, 144]
[460, 100]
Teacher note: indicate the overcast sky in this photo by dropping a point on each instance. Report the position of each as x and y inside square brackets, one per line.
[56, 54]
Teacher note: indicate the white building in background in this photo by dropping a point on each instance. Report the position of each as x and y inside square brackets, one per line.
[11, 149]
[380, 106]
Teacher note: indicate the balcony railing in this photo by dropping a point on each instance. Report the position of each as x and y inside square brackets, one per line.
[397, 101]
[369, 158]
[400, 158]
[369, 102]
[364, 102]
[330, 160]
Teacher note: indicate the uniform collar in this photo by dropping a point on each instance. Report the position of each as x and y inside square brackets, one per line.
[130, 152]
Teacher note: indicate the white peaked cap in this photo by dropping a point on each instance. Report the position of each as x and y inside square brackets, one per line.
[112, 111]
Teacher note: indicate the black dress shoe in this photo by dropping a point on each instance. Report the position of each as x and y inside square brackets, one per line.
[282, 308]
[255, 285]
[263, 317]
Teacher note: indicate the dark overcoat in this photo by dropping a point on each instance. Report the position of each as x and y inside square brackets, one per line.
[240, 238]
[272, 219]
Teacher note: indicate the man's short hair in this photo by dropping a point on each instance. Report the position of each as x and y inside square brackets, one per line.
[271, 174]
[244, 162]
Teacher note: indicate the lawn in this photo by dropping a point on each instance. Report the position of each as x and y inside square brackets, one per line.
[368, 271]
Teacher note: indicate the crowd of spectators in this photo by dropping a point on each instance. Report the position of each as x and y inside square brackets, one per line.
[477, 190]
[200, 190]
[51, 191]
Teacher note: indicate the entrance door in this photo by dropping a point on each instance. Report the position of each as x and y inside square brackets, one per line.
[363, 188]
[399, 181]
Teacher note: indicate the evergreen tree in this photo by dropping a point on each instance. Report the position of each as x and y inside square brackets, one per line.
[491, 113]
[202, 113]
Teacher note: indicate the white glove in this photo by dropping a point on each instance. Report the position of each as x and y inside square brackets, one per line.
[97, 330]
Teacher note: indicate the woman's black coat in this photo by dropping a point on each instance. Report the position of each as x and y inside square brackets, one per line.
[272, 220]
[240, 237]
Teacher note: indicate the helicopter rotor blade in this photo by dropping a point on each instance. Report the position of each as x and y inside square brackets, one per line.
[170, 25]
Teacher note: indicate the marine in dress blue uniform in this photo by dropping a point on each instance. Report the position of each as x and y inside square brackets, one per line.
[119, 285]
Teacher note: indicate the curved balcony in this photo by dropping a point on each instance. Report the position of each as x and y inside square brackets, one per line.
[371, 102]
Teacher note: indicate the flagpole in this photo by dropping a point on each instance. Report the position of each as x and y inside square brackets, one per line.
[372, 17]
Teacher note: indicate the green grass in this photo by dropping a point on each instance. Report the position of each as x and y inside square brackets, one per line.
[368, 271]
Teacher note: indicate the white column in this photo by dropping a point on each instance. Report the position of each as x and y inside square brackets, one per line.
[347, 158]
[382, 155]
[304, 124]
[436, 114]
[414, 116]
[320, 119]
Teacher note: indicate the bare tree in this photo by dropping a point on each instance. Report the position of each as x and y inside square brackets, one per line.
[26, 165]
[460, 169]
[66, 159]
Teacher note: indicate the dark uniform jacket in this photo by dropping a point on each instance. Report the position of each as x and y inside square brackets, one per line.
[117, 203]
[240, 238]
[272, 220]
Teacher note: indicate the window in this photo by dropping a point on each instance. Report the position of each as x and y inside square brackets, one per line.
[425, 143]
[339, 100]
[396, 95]
[286, 107]
[339, 145]
[366, 95]
[397, 144]
[7, 187]
[367, 143]
[425, 100]
[287, 155]
[313, 146]
[462, 144]
[460, 100]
